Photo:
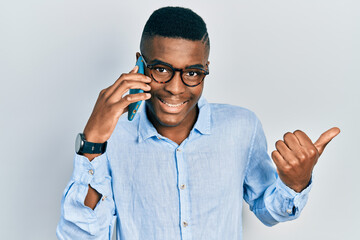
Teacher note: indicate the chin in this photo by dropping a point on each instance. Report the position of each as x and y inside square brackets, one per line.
[166, 119]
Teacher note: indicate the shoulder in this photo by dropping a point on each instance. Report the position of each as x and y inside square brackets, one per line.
[232, 114]
[232, 121]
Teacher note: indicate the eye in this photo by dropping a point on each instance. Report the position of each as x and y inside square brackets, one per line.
[193, 73]
[160, 69]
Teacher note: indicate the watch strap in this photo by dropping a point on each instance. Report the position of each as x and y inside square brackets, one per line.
[94, 148]
[90, 147]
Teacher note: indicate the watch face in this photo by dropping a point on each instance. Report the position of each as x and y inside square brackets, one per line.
[78, 143]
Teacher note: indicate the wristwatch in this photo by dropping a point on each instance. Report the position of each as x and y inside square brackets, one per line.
[82, 146]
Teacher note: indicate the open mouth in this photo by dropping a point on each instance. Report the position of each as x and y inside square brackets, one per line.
[172, 105]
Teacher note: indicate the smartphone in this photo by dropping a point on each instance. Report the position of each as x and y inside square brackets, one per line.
[134, 107]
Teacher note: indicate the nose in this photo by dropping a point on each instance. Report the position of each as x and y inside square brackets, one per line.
[175, 86]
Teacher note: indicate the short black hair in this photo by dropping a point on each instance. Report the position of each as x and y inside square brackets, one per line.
[175, 22]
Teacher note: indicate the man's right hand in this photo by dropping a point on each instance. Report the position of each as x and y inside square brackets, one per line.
[111, 104]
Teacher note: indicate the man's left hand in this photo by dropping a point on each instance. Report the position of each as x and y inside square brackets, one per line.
[296, 157]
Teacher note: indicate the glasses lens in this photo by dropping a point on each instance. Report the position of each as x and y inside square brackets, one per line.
[193, 76]
[161, 73]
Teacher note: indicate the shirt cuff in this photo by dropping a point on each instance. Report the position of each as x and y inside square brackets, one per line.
[93, 173]
[295, 201]
[97, 174]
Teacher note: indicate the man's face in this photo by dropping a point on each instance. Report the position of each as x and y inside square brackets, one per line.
[173, 103]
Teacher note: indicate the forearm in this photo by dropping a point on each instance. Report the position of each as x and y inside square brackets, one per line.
[279, 203]
[269, 198]
[84, 214]
[93, 196]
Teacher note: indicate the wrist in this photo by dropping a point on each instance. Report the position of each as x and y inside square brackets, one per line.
[84, 146]
[93, 137]
[299, 188]
[91, 156]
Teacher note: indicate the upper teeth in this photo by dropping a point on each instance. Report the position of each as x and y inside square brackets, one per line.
[172, 105]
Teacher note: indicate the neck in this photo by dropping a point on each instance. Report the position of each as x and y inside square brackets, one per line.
[176, 133]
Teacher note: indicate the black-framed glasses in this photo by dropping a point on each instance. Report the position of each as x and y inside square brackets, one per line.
[163, 72]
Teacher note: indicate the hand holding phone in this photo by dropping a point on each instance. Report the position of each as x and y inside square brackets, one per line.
[112, 103]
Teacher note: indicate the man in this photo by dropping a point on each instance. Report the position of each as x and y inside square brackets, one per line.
[181, 168]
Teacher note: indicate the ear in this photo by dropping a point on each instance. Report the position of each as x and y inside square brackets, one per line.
[137, 55]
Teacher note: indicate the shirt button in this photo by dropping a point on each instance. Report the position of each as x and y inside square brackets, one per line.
[182, 187]
[179, 150]
[91, 172]
[185, 224]
[289, 211]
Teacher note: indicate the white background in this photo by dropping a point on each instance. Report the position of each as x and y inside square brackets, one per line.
[294, 63]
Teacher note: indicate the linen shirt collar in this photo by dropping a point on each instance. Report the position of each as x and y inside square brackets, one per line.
[203, 124]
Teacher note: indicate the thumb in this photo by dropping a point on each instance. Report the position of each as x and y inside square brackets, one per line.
[135, 69]
[325, 138]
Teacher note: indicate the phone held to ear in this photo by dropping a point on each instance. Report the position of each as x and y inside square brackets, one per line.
[134, 107]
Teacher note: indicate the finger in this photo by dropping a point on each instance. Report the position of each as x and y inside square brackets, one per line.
[304, 140]
[279, 161]
[325, 138]
[133, 76]
[292, 141]
[131, 98]
[283, 149]
[120, 79]
[135, 69]
[136, 77]
[125, 86]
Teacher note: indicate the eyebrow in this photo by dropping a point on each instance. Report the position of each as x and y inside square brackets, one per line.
[157, 61]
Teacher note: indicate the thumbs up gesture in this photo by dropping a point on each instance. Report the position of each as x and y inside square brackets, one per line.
[296, 156]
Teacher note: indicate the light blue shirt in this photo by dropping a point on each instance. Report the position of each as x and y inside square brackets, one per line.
[157, 189]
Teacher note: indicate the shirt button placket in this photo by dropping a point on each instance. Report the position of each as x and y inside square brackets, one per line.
[183, 193]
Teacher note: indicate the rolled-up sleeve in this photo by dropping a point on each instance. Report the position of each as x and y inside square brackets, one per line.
[268, 197]
[77, 220]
